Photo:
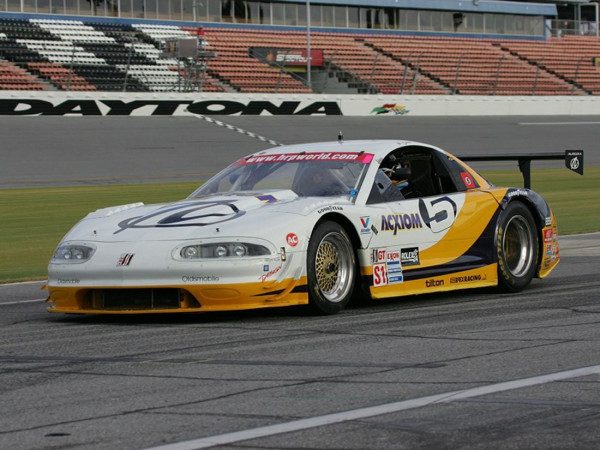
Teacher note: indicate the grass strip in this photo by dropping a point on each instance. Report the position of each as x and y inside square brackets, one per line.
[33, 220]
[575, 199]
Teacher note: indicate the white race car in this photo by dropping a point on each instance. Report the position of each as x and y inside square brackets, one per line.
[308, 224]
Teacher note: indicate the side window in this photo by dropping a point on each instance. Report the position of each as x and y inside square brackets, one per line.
[415, 172]
[461, 178]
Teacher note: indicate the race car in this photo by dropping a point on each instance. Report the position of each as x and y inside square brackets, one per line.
[310, 224]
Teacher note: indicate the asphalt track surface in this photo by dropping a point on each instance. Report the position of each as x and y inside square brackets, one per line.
[44, 151]
[99, 382]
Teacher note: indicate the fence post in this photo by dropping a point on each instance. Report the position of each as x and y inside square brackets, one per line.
[69, 81]
[405, 73]
[128, 63]
[535, 80]
[458, 66]
[576, 75]
[498, 74]
[278, 85]
[328, 65]
[372, 76]
[416, 69]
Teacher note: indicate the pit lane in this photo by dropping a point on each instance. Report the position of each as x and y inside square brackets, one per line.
[122, 382]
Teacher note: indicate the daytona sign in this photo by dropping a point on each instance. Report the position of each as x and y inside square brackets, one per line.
[93, 107]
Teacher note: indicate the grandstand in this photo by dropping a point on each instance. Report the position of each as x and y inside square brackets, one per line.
[361, 50]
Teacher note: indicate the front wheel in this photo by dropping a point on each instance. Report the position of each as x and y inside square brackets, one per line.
[331, 268]
[517, 247]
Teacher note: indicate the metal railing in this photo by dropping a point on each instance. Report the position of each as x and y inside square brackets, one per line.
[458, 77]
[574, 27]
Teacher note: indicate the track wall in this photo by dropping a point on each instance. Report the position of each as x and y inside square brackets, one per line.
[32, 103]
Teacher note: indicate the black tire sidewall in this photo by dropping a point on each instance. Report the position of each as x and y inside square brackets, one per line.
[317, 301]
[506, 280]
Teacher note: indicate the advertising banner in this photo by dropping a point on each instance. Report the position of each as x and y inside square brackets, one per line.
[287, 57]
[51, 103]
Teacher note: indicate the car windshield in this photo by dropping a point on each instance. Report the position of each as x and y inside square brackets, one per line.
[307, 174]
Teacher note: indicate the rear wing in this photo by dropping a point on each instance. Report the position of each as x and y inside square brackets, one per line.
[573, 161]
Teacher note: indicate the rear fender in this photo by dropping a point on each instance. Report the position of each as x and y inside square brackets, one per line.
[545, 221]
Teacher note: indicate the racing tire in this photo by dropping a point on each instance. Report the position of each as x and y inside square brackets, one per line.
[517, 247]
[331, 268]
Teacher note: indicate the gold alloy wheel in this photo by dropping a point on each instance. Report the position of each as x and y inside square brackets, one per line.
[334, 267]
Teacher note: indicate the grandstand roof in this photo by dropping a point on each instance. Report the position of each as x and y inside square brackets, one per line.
[482, 6]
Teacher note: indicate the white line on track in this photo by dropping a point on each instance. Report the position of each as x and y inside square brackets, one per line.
[23, 301]
[23, 282]
[237, 129]
[529, 124]
[388, 408]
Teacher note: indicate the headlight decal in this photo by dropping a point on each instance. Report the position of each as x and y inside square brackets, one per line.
[222, 250]
[72, 253]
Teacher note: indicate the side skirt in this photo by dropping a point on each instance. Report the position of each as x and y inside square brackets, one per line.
[473, 278]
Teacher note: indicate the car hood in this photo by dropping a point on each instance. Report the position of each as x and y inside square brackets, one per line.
[214, 216]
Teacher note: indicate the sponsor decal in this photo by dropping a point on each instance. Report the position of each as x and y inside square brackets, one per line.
[410, 256]
[548, 221]
[438, 214]
[266, 198]
[434, 283]
[87, 107]
[199, 278]
[378, 255]
[574, 164]
[125, 259]
[394, 267]
[266, 268]
[189, 214]
[552, 250]
[517, 192]
[395, 109]
[292, 239]
[287, 56]
[365, 225]
[390, 260]
[548, 235]
[574, 160]
[467, 278]
[380, 275]
[330, 209]
[359, 157]
[467, 180]
[269, 274]
[395, 222]
[68, 281]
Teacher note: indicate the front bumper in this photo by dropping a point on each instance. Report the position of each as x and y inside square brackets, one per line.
[176, 298]
[151, 281]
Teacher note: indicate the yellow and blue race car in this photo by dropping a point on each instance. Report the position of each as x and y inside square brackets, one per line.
[310, 224]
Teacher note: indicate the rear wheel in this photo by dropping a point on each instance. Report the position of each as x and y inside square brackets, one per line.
[517, 247]
[331, 268]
